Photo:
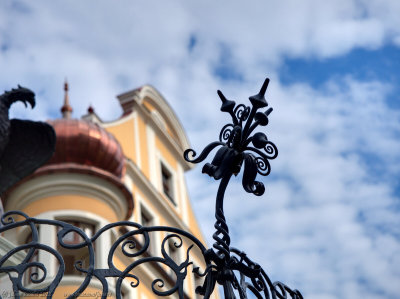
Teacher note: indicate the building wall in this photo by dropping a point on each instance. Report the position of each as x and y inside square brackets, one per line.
[153, 141]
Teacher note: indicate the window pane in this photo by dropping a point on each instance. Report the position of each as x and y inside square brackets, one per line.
[167, 183]
[71, 256]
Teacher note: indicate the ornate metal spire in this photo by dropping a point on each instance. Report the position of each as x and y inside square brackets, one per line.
[90, 109]
[66, 109]
[239, 146]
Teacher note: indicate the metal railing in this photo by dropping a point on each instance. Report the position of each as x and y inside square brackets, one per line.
[239, 146]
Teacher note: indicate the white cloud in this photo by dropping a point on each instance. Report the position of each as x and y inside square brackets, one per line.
[309, 221]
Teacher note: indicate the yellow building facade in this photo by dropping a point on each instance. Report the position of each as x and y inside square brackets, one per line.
[130, 169]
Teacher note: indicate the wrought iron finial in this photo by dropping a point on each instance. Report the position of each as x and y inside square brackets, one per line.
[239, 146]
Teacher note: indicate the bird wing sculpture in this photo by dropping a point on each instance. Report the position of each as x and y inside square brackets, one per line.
[24, 145]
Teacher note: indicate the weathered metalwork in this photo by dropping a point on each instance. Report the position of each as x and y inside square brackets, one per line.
[127, 243]
[223, 264]
[20, 140]
[235, 139]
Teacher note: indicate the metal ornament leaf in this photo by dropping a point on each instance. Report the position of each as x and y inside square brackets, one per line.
[232, 269]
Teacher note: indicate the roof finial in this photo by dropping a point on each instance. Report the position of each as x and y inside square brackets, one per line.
[66, 109]
[90, 109]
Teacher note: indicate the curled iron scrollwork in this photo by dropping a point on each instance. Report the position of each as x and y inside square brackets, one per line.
[239, 146]
[223, 264]
[133, 244]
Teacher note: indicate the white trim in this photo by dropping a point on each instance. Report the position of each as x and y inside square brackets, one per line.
[158, 119]
[67, 214]
[159, 102]
[128, 182]
[101, 252]
[151, 193]
[183, 195]
[137, 139]
[175, 195]
[74, 280]
[164, 111]
[92, 117]
[48, 185]
[48, 233]
[176, 149]
[155, 220]
[5, 247]
[149, 93]
[129, 291]
[151, 150]
[118, 121]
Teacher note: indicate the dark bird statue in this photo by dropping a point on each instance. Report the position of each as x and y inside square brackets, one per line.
[24, 145]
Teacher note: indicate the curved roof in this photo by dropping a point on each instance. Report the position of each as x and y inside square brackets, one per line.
[86, 143]
[148, 94]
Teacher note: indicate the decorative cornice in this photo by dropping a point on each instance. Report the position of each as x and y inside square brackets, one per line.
[68, 168]
[149, 93]
[165, 137]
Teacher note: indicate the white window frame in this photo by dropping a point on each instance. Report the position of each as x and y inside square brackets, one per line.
[155, 241]
[175, 194]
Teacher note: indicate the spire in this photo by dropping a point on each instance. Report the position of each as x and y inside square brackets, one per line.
[66, 109]
[90, 109]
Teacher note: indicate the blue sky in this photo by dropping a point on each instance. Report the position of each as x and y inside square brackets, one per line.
[329, 223]
[363, 64]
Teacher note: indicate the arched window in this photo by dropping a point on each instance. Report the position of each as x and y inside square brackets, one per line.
[71, 256]
[35, 258]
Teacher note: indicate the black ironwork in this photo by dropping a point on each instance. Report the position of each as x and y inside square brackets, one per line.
[235, 140]
[20, 140]
[127, 243]
[225, 265]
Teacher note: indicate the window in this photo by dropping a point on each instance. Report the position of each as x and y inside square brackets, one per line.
[146, 219]
[71, 256]
[74, 238]
[31, 270]
[167, 183]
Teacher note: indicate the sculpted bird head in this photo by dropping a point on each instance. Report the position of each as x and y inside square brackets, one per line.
[21, 94]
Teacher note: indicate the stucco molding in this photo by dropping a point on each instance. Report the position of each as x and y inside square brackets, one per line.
[167, 209]
[62, 184]
[153, 97]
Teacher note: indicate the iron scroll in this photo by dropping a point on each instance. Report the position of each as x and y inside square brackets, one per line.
[239, 146]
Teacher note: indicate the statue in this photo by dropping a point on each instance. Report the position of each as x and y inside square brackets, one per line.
[24, 145]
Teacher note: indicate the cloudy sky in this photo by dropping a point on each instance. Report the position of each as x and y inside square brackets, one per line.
[329, 222]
